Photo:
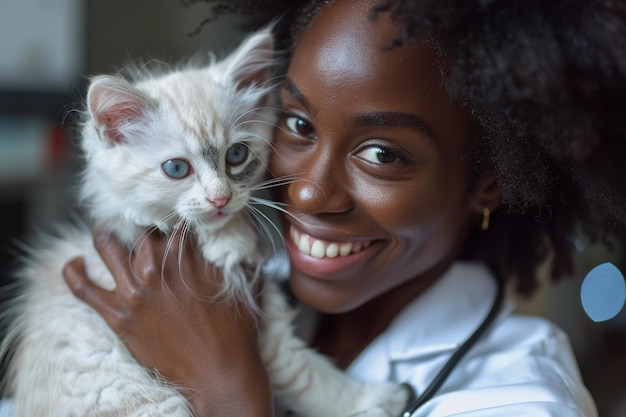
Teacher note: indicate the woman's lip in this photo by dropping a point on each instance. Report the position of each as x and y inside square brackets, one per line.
[322, 266]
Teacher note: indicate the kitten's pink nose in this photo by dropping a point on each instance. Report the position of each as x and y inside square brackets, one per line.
[219, 202]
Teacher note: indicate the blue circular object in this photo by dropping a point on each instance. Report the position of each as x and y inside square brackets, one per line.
[603, 292]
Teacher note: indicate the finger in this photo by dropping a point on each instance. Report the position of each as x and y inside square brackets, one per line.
[159, 253]
[101, 300]
[189, 267]
[150, 257]
[115, 256]
[186, 240]
[180, 243]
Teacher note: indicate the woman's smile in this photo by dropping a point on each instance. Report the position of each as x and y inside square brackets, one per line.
[326, 259]
[319, 248]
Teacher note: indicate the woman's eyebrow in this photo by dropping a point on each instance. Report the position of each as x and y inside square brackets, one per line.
[288, 85]
[380, 119]
[393, 119]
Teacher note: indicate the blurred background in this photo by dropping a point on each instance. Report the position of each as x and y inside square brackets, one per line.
[48, 48]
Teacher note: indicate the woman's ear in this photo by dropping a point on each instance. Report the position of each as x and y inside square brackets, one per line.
[487, 194]
[486, 199]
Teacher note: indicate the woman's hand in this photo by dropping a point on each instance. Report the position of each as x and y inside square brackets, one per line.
[162, 309]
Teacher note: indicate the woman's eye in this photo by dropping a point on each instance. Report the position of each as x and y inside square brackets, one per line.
[176, 168]
[237, 154]
[298, 125]
[378, 155]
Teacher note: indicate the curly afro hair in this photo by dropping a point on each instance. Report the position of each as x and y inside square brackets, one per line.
[545, 82]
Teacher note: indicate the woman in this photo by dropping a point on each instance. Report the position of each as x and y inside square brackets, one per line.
[440, 145]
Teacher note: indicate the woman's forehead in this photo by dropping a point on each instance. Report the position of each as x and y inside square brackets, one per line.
[344, 42]
[343, 23]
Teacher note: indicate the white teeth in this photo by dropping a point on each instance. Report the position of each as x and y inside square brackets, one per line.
[332, 250]
[345, 249]
[303, 245]
[320, 249]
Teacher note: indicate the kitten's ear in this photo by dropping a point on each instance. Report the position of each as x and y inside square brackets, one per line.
[252, 61]
[115, 105]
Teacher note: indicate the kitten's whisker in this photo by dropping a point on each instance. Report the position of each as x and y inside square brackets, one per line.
[290, 179]
[262, 221]
[259, 201]
[142, 238]
[262, 90]
[282, 181]
[186, 229]
[243, 100]
[278, 154]
[137, 245]
[277, 182]
[168, 217]
[241, 125]
[252, 135]
[244, 122]
[183, 236]
[269, 144]
[274, 81]
[168, 247]
[252, 110]
[272, 205]
[239, 122]
[260, 138]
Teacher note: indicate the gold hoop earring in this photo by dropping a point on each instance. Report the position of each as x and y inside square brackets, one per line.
[484, 225]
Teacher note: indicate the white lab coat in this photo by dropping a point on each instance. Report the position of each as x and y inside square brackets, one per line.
[522, 366]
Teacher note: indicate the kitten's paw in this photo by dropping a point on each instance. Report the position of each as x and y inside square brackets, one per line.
[374, 412]
[385, 400]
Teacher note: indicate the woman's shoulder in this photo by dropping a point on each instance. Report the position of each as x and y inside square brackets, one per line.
[526, 348]
[521, 365]
[520, 331]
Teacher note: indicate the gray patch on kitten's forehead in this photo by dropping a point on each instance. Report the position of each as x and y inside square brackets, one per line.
[212, 155]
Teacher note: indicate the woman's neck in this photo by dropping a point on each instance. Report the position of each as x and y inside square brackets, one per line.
[343, 336]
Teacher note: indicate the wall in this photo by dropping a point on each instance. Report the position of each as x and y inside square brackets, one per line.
[117, 30]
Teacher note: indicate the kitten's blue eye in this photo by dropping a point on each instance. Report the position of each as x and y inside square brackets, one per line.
[237, 154]
[176, 168]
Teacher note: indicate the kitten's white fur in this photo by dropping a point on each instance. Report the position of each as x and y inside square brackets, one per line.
[67, 361]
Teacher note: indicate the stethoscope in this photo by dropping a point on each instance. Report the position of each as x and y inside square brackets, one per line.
[443, 374]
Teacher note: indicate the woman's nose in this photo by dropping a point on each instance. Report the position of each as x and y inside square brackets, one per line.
[320, 187]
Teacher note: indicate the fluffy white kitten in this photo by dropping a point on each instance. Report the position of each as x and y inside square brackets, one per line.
[180, 149]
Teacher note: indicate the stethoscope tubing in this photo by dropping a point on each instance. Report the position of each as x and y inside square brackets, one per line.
[456, 357]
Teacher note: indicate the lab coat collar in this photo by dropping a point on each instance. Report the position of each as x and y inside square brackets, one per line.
[445, 314]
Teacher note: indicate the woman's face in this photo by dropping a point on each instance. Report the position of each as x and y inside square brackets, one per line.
[376, 149]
